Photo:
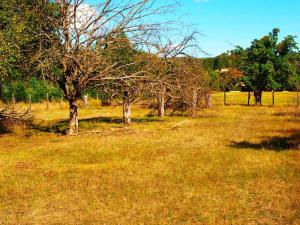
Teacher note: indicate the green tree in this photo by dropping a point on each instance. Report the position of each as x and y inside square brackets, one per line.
[20, 24]
[266, 64]
[229, 61]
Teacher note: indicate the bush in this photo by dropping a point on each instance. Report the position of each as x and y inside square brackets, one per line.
[11, 122]
[9, 125]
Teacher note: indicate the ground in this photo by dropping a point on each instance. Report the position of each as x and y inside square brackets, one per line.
[229, 165]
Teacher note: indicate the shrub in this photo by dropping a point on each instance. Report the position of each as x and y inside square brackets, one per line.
[11, 121]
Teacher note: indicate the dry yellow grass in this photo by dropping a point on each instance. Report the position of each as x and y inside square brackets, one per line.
[230, 165]
[281, 98]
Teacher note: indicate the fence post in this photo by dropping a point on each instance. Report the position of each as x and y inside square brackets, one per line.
[13, 103]
[273, 98]
[298, 99]
[97, 97]
[47, 100]
[249, 97]
[30, 100]
[225, 98]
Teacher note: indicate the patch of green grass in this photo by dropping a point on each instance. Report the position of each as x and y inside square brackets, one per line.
[229, 165]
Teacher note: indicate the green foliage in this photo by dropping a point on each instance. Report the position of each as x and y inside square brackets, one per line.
[219, 81]
[266, 63]
[214, 79]
[20, 24]
[225, 60]
[295, 60]
[22, 90]
[13, 37]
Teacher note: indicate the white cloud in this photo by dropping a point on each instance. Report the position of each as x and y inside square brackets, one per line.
[84, 15]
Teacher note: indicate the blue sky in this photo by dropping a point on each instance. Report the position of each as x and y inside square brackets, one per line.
[240, 21]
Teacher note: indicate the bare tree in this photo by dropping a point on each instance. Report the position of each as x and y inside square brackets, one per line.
[135, 67]
[10, 119]
[76, 57]
[229, 78]
[188, 85]
[165, 69]
[195, 83]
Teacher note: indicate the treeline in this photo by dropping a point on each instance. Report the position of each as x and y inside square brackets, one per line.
[33, 90]
[267, 65]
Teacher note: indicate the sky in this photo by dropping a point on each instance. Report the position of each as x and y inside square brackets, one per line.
[228, 23]
[224, 23]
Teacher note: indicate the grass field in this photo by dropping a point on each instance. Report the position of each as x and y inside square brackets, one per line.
[235, 98]
[229, 165]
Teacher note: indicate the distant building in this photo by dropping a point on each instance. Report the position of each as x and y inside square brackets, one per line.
[225, 70]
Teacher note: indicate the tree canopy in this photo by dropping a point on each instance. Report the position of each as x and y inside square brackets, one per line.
[266, 64]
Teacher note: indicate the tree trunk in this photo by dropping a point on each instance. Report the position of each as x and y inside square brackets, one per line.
[194, 103]
[73, 125]
[298, 100]
[249, 97]
[225, 98]
[161, 102]
[258, 95]
[273, 98]
[85, 101]
[126, 108]
[208, 103]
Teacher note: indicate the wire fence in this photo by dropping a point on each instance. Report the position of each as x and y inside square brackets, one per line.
[282, 99]
[241, 98]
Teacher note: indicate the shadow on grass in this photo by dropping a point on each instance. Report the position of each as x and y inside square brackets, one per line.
[61, 127]
[251, 105]
[277, 144]
[289, 114]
